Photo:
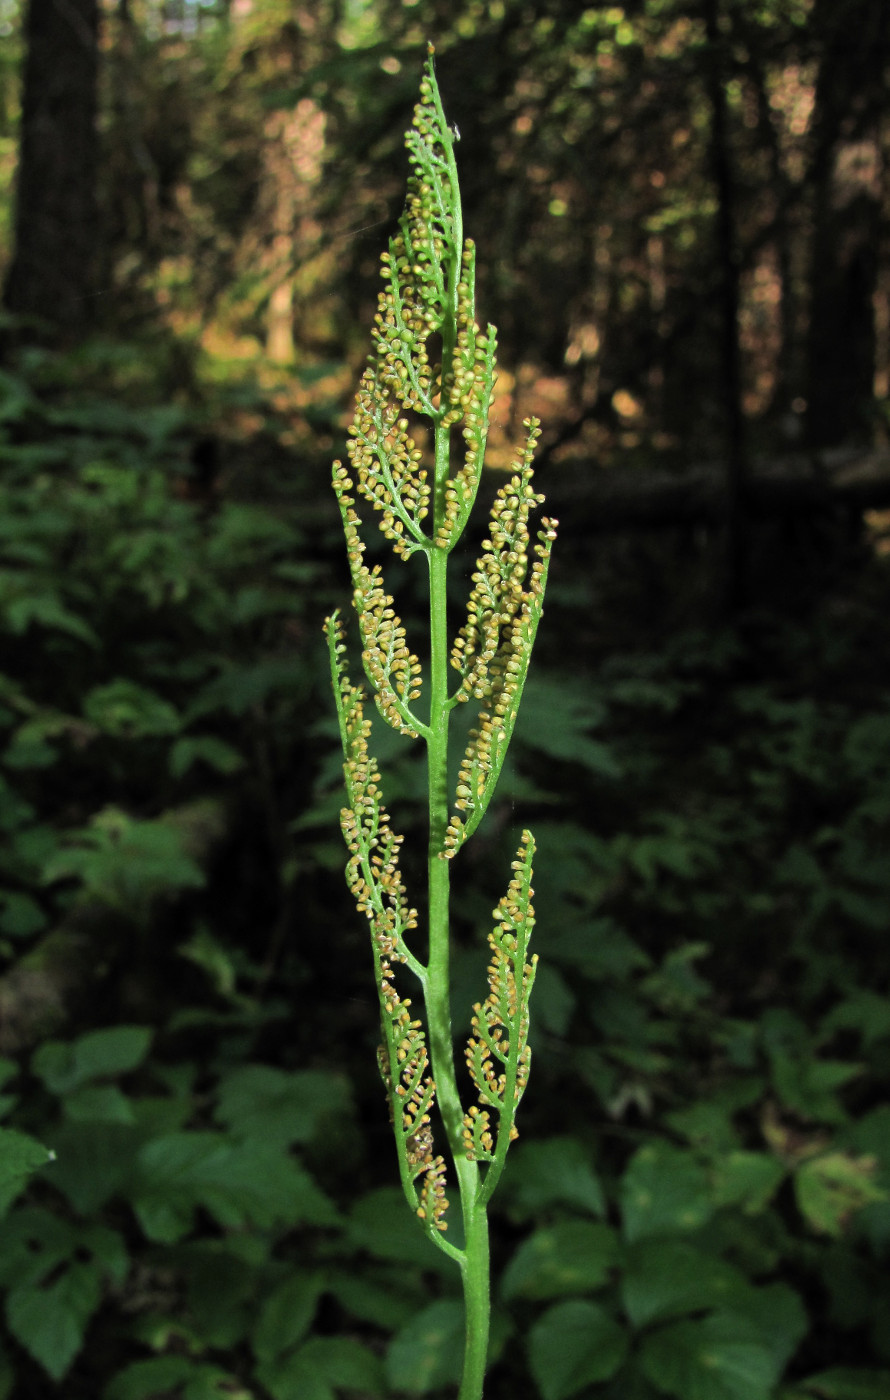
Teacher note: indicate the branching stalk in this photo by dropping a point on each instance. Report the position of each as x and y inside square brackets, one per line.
[422, 498]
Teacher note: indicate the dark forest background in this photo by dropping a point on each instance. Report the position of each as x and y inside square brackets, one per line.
[682, 211]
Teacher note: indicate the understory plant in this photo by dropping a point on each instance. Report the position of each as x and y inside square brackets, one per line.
[416, 457]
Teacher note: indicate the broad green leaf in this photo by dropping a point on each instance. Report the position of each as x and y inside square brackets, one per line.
[286, 1315]
[720, 1357]
[98, 1103]
[428, 1351]
[871, 1136]
[556, 719]
[50, 1320]
[665, 1278]
[33, 1242]
[47, 610]
[240, 688]
[37, 1245]
[204, 748]
[107, 1248]
[320, 1367]
[847, 1383]
[864, 1012]
[211, 1383]
[278, 1105]
[554, 1171]
[125, 863]
[778, 1315]
[20, 1156]
[383, 1294]
[664, 1191]
[126, 710]
[747, 1179]
[65, 1065]
[572, 1257]
[169, 1375]
[808, 1085]
[238, 1183]
[381, 1223]
[832, 1187]
[574, 1345]
[20, 914]
[94, 1164]
[222, 1284]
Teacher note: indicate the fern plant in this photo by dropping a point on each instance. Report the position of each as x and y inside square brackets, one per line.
[426, 391]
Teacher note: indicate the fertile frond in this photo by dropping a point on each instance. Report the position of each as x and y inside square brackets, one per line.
[499, 576]
[427, 389]
[404, 1065]
[393, 672]
[372, 871]
[494, 649]
[498, 1054]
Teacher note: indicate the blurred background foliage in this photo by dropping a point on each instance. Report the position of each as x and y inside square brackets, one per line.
[681, 213]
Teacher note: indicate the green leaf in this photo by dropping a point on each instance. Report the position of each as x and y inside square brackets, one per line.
[222, 1286]
[20, 915]
[863, 1011]
[384, 1294]
[35, 1245]
[286, 1315]
[778, 1315]
[164, 1375]
[555, 1171]
[747, 1179]
[20, 1156]
[212, 1383]
[574, 1345]
[240, 688]
[556, 719]
[238, 1183]
[125, 863]
[830, 1188]
[871, 1136]
[50, 1320]
[720, 1357]
[381, 1223]
[428, 1351]
[320, 1367]
[204, 748]
[126, 710]
[46, 610]
[98, 1103]
[664, 1190]
[572, 1257]
[847, 1383]
[93, 1165]
[808, 1085]
[666, 1278]
[65, 1065]
[33, 1242]
[280, 1106]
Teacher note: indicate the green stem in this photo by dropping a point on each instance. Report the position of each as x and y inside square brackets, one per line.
[477, 1302]
[436, 988]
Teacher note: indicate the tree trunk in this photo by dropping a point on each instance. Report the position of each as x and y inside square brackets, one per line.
[729, 263]
[51, 281]
[850, 97]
